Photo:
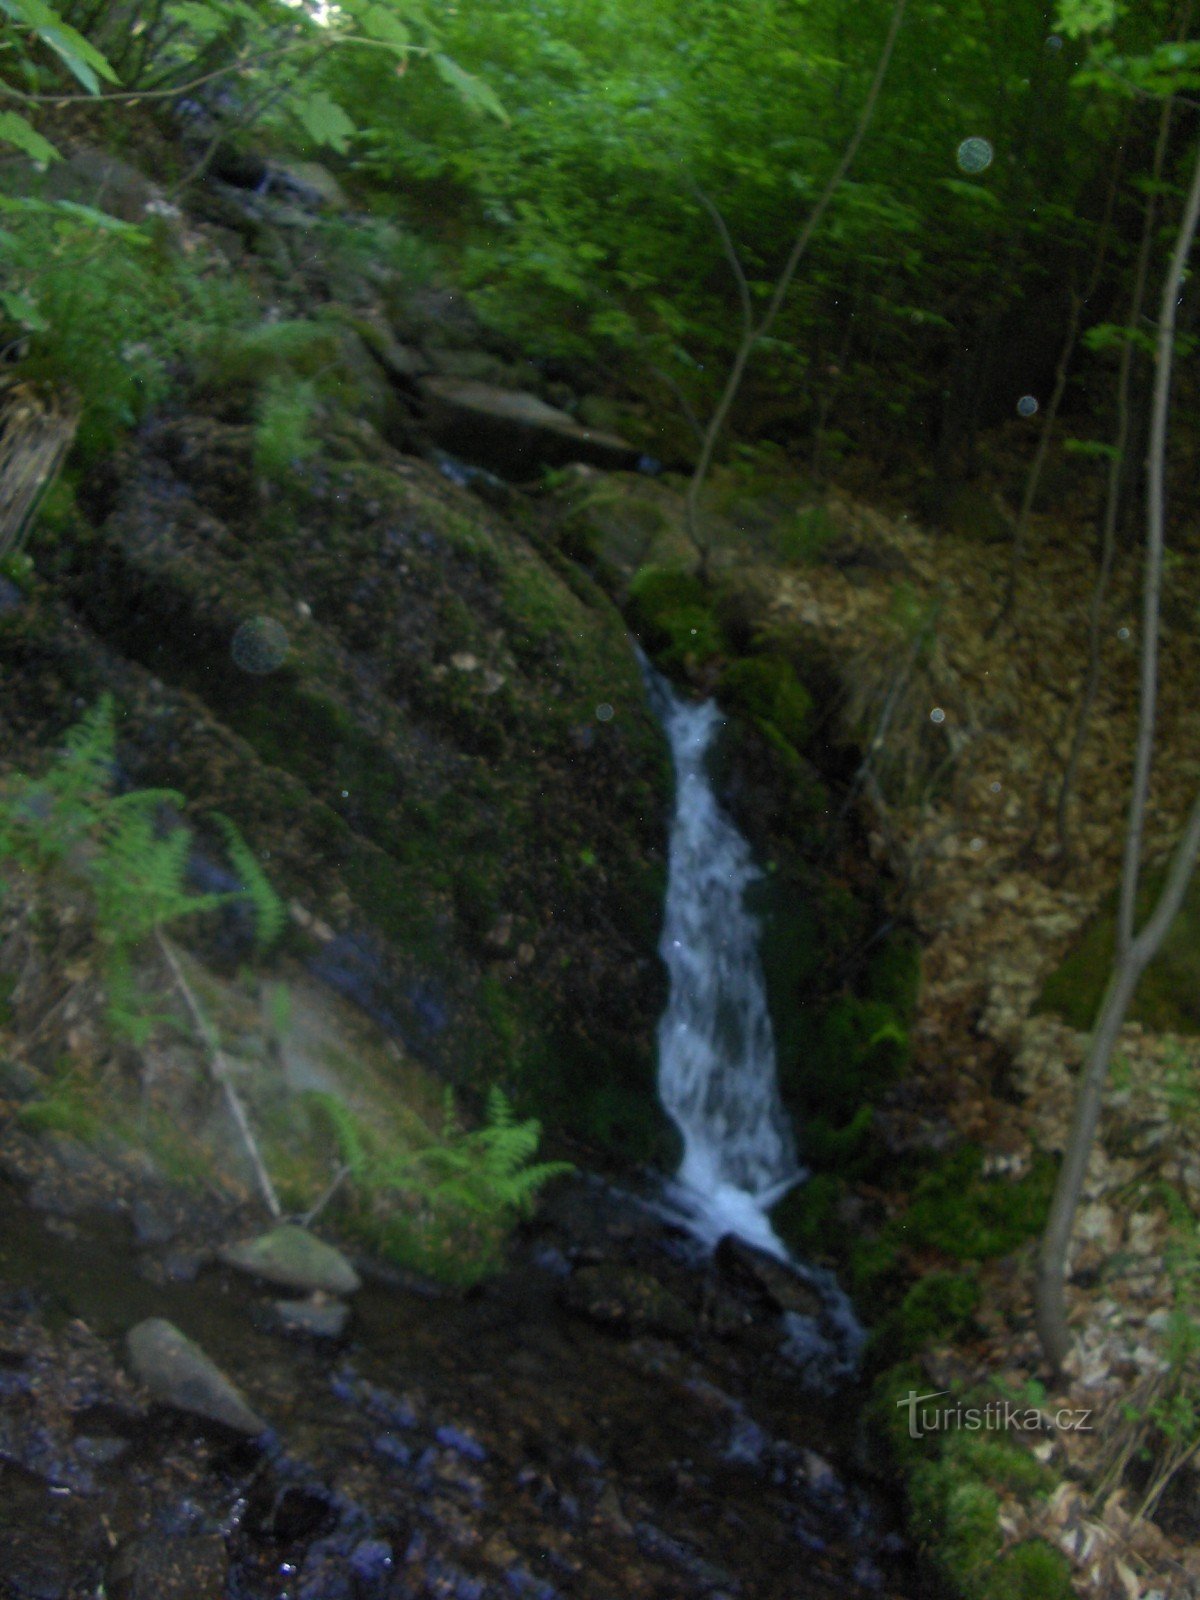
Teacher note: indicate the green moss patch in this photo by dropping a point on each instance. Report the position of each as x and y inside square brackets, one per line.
[766, 687]
[671, 611]
[961, 1214]
[1168, 997]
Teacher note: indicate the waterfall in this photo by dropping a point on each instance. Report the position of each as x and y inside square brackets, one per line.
[716, 1048]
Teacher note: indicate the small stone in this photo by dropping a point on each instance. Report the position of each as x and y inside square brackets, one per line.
[178, 1373]
[296, 1259]
[316, 1318]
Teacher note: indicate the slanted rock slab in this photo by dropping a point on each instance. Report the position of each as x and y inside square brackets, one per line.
[295, 1259]
[515, 432]
[177, 1372]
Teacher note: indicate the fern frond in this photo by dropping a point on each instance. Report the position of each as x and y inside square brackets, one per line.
[347, 1130]
[270, 913]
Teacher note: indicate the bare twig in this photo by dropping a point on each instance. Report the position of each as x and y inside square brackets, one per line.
[219, 1067]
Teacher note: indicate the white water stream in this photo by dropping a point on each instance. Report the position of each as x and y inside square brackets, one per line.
[716, 1049]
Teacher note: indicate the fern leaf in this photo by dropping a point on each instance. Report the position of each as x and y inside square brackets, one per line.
[270, 913]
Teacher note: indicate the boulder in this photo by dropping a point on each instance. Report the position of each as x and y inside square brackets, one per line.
[766, 1277]
[294, 1258]
[178, 1373]
[514, 432]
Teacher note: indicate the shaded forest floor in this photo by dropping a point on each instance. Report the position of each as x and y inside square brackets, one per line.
[967, 820]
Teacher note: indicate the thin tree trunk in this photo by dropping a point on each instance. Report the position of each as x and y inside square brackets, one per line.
[753, 334]
[1033, 478]
[1133, 954]
[1112, 505]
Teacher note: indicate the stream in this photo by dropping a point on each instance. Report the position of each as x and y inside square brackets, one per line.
[652, 1401]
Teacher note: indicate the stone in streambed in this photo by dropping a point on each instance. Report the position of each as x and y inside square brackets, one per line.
[178, 1373]
[315, 1319]
[295, 1259]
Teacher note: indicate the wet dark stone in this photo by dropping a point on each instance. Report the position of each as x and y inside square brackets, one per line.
[625, 1298]
[312, 1319]
[371, 1563]
[765, 1276]
[161, 1566]
[326, 1573]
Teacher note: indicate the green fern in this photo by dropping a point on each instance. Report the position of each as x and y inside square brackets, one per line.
[270, 913]
[42, 820]
[467, 1188]
[133, 864]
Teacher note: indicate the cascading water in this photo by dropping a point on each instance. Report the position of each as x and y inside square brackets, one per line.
[716, 1049]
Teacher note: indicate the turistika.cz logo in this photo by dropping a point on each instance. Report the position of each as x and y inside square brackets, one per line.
[997, 1416]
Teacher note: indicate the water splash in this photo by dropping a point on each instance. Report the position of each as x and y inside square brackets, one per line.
[716, 1048]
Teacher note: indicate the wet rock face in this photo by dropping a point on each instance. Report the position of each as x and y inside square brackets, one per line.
[438, 736]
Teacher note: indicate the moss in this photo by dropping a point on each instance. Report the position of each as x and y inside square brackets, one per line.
[61, 1112]
[937, 1307]
[1032, 1571]
[826, 1144]
[893, 973]
[1167, 999]
[954, 1478]
[766, 687]
[671, 611]
[956, 1210]
[958, 1521]
[853, 1050]
[807, 1220]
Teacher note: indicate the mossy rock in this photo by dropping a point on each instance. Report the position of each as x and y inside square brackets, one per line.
[671, 611]
[852, 1050]
[1167, 999]
[937, 1307]
[766, 687]
[420, 765]
[957, 1211]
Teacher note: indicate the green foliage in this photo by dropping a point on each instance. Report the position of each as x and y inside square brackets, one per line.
[283, 435]
[446, 1206]
[100, 309]
[126, 853]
